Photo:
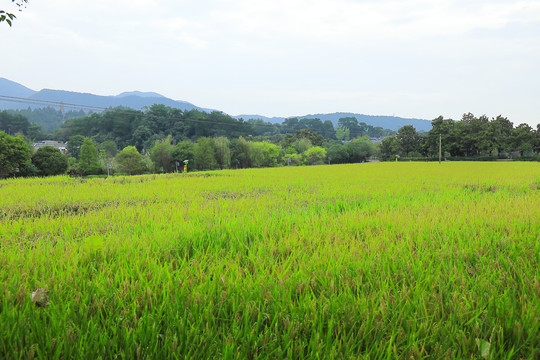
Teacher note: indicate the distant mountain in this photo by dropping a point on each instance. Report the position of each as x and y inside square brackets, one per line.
[10, 88]
[138, 100]
[134, 99]
[386, 122]
[140, 94]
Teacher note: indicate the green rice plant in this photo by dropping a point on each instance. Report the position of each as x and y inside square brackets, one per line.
[371, 261]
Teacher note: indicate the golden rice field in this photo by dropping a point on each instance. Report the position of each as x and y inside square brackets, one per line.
[362, 261]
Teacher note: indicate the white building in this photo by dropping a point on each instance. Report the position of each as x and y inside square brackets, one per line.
[60, 146]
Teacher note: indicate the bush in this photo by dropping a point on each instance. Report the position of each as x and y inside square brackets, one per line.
[75, 171]
[473, 158]
[131, 161]
[315, 156]
[421, 158]
[27, 170]
[50, 161]
[503, 155]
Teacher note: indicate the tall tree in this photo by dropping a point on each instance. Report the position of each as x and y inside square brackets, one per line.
[443, 128]
[131, 161]
[223, 152]
[14, 153]
[328, 131]
[472, 135]
[350, 123]
[479, 133]
[537, 141]
[389, 148]
[74, 145]
[182, 151]
[205, 150]
[162, 156]
[522, 138]
[408, 139]
[89, 162]
[500, 130]
[240, 153]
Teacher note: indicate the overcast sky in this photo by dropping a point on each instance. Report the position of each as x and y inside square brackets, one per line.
[409, 58]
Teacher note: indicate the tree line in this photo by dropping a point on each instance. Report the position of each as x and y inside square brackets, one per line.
[161, 138]
[84, 157]
[125, 126]
[469, 138]
[142, 128]
[48, 119]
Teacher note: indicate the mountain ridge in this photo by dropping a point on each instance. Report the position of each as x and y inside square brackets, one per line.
[139, 100]
[140, 94]
[15, 89]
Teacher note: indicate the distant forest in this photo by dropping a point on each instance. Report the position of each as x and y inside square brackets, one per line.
[48, 119]
[161, 138]
[470, 138]
[142, 128]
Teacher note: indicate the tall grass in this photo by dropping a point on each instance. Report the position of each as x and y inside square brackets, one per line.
[373, 261]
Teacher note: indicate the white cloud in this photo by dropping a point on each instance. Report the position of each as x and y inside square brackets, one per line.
[389, 56]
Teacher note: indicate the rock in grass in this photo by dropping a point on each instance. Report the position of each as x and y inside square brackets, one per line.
[40, 297]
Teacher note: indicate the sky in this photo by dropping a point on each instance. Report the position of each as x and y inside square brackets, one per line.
[408, 58]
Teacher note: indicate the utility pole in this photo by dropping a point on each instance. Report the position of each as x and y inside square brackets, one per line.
[440, 148]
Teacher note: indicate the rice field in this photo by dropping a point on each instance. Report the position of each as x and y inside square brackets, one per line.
[361, 261]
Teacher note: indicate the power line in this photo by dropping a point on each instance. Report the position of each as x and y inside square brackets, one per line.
[237, 122]
[130, 111]
[60, 104]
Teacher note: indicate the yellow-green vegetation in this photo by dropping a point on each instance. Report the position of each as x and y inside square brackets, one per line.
[372, 261]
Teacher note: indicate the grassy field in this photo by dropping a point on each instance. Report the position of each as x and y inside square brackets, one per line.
[363, 261]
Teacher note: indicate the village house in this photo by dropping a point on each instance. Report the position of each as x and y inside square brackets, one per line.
[56, 144]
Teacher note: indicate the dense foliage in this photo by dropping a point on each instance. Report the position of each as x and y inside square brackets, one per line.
[50, 161]
[130, 161]
[89, 162]
[16, 124]
[142, 129]
[471, 137]
[14, 154]
[165, 138]
[48, 119]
